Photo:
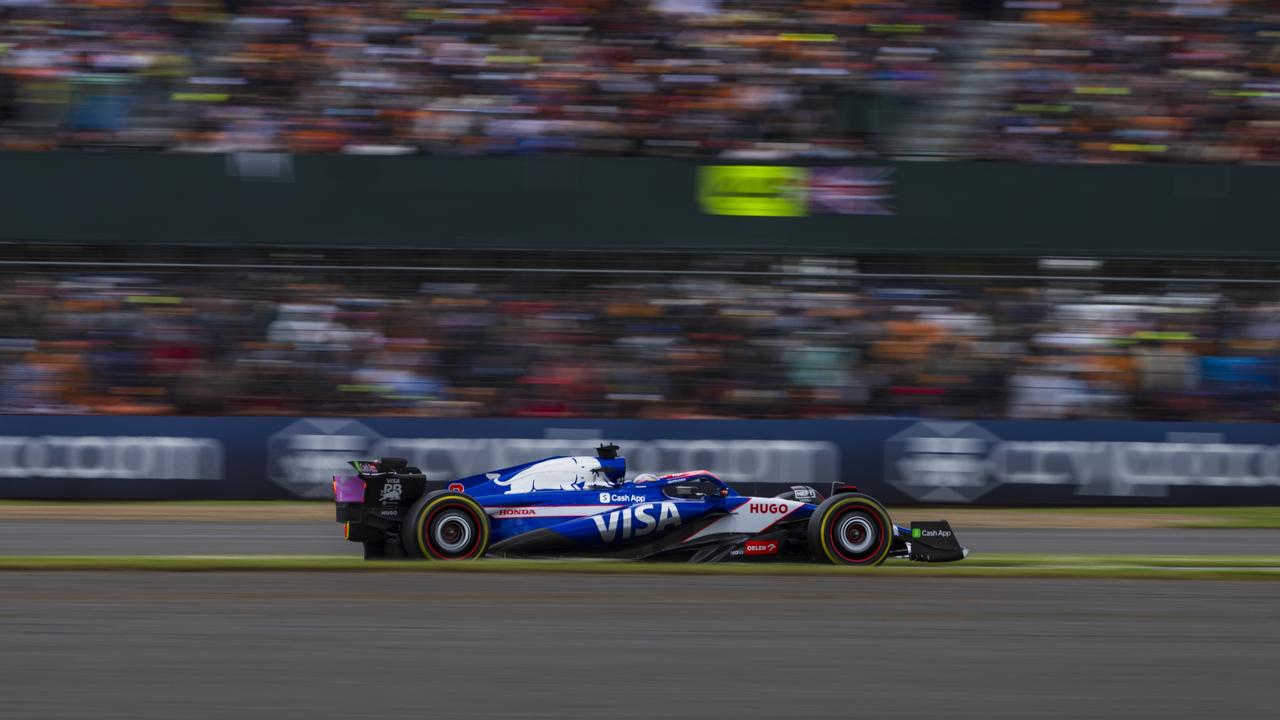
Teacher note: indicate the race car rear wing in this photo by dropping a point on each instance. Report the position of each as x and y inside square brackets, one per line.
[396, 465]
[387, 483]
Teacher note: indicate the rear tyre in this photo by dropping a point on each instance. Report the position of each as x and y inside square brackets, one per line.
[850, 529]
[445, 525]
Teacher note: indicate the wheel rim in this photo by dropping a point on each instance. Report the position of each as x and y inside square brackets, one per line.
[452, 532]
[855, 534]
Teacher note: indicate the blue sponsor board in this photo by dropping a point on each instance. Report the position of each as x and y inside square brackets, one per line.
[900, 461]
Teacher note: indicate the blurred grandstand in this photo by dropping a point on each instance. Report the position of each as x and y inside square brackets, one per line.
[662, 335]
[1042, 80]
[659, 335]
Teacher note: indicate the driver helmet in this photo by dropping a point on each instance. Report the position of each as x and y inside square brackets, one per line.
[645, 477]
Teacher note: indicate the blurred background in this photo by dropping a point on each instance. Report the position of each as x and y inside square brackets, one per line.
[657, 335]
[641, 209]
[1074, 81]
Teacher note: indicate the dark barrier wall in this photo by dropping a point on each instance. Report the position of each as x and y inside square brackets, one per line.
[613, 203]
[900, 461]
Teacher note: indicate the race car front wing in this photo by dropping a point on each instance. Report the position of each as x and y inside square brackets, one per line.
[928, 541]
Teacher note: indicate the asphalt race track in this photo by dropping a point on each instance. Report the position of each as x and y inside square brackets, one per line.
[334, 645]
[78, 537]
[315, 645]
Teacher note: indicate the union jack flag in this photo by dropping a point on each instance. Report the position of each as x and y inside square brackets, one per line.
[850, 190]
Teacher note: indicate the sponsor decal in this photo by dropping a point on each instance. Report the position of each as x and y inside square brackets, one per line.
[604, 497]
[939, 461]
[515, 512]
[391, 492]
[934, 461]
[753, 517]
[457, 487]
[804, 493]
[120, 458]
[636, 521]
[753, 190]
[768, 508]
[623, 497]
[302, 456]
[760, 547]
[567, 473]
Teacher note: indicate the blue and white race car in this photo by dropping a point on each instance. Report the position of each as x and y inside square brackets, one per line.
[585, 506]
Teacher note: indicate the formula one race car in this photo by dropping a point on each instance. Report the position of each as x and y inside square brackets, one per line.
[583, 506]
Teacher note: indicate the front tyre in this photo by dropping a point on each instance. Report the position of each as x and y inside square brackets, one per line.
[445, 525]
[850, 529]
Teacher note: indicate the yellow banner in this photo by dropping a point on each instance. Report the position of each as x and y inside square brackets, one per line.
[754, 190]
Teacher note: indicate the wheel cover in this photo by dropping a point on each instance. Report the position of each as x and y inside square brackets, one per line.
[857, 535]
[452, 532]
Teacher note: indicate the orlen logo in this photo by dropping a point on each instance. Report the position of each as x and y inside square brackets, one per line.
[516, 512]
[636, 521]
[768, 508]
[761, 547]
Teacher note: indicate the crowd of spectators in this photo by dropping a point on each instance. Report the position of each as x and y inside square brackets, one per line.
[1072, 80]
[1168, 80]
[540, 344]
[665, 77]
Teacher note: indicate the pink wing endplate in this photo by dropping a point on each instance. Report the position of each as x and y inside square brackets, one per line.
[348, 489]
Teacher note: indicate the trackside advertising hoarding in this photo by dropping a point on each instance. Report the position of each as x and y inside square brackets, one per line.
[560, 202]
[900, 460]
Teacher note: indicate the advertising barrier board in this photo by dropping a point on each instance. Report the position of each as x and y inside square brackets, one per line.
[556, 202]
[898, 460]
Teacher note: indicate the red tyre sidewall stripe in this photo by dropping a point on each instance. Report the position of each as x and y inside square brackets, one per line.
[481, 535]
[880, 541]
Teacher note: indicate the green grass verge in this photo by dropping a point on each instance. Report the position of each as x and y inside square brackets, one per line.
[1003, 565]
[1222, 518]
[1267, 518]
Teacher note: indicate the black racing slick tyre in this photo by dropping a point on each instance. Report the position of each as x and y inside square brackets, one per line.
[850, 529]
[445, 525]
